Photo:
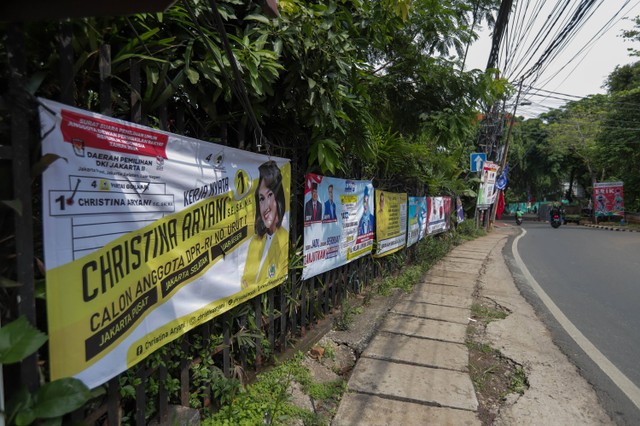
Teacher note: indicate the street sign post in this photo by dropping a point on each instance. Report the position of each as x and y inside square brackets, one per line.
[476, 160]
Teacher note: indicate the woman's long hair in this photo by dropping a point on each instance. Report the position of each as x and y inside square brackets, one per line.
[270, 174]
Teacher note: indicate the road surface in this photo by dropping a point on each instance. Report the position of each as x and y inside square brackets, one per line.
[585, 284]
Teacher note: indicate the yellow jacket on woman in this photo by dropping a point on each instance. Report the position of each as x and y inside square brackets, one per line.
[275, 263]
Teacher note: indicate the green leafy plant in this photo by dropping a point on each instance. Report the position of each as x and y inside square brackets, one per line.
[343, 321]
[264, 402]
[52, 400]
[329, 351]
[328, 390]
[519, 382]
[326, 153]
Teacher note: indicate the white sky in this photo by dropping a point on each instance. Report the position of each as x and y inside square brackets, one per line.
[584, 75]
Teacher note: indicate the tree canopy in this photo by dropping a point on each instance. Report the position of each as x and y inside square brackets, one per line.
[342, 85]
[594, 139]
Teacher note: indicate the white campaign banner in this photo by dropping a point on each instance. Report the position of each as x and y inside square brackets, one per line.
[486, 194]
[439, 214]
[338, 222]
[148, 234]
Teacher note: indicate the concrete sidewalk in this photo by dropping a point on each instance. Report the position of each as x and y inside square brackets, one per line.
[414, 371]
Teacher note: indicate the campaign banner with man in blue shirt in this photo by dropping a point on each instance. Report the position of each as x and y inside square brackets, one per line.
[338, 222]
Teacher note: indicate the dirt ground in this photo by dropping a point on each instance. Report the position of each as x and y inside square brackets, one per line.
[494, 376]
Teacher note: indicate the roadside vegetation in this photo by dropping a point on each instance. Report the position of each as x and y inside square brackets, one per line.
[268, 400]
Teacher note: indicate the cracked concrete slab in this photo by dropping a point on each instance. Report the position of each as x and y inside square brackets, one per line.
[427, 328]
[419, 384]
[359, 409]
[426, 352]
[467, 284]
[453, 266]
[426, 310]
[460, 300]
[464, 276]
[465, 260]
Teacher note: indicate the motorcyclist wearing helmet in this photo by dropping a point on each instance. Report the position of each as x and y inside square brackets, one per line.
[555, 210]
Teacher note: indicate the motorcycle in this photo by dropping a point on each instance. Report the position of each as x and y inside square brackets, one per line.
[518, 220]
[555, 220]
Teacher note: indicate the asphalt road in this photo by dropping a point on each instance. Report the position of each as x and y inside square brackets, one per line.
[592, 276]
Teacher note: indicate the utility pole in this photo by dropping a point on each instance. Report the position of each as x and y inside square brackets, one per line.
[503, 163]
[492, 130]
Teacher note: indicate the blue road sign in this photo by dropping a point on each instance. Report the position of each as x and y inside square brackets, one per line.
[476, 160]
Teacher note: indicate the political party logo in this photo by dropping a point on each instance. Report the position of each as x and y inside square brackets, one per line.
[78, 147]
[105, 185]
[216, 160]
[241, 184]
[349, 186]
[159, 162]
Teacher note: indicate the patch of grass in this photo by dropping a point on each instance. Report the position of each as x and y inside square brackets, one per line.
[487, 313]
[519, 382]
[480, 347]
[329, 390]
[491, 375]
[344, 319]
[633, 226]
[494, 377]
[329, 351]
[481, 364]
[467, 231]
[405, 280]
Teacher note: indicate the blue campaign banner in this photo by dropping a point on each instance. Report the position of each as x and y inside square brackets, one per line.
[338, 222]
[417, 219]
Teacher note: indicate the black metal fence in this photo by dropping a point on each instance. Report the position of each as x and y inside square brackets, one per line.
[235, 344]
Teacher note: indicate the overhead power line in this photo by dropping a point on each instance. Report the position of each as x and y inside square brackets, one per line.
[533, 46]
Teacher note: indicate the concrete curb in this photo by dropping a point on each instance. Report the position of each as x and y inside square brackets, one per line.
[609, 228]
[586, 225]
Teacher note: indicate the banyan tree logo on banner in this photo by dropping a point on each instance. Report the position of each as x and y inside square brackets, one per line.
[149, 234]
[338, 222]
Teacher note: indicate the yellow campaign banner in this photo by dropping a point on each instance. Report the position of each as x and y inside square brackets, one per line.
[391, 222]
[148, 235]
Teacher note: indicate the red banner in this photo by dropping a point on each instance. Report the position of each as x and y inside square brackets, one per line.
[608, 198]
[87, 131]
